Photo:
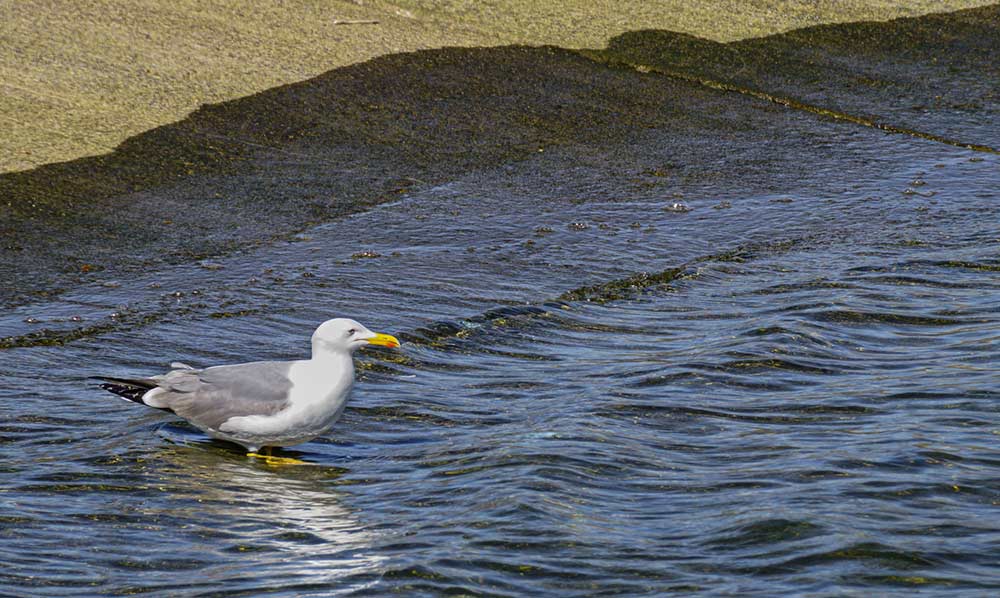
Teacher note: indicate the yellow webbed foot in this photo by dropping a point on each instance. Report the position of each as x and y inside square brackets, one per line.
[272, 460]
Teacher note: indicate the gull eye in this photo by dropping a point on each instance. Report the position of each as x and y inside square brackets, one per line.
[352, 332]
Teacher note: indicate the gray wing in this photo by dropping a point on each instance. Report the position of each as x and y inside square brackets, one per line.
[209, 397]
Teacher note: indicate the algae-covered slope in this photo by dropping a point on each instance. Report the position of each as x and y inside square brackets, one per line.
[265, 166]
[937, 75]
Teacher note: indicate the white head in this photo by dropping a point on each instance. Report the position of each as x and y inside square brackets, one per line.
[342, 335]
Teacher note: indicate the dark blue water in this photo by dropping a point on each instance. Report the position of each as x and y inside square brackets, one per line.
[599, 393]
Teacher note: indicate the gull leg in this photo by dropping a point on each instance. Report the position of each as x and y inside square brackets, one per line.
[270, 459]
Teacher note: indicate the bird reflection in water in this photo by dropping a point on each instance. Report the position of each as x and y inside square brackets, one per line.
[263, 526]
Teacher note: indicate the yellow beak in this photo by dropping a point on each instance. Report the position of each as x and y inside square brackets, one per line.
[384, 340]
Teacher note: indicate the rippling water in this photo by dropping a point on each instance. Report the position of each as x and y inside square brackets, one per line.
[599, 393]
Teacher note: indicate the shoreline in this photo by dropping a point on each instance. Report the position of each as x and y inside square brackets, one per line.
[263, 167]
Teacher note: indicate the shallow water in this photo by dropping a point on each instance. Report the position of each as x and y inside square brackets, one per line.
[599, 393]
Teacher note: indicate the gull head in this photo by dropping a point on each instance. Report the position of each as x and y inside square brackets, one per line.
[342, 335]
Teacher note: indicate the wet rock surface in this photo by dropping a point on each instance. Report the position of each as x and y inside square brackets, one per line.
[934, 75]
[249, 171]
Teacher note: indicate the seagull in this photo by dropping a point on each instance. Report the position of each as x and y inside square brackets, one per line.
[263, 403]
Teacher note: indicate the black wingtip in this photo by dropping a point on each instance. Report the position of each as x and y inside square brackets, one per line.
[127, 388]
[128, 392]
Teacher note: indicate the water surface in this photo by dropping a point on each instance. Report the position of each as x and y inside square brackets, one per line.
[610, 384]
